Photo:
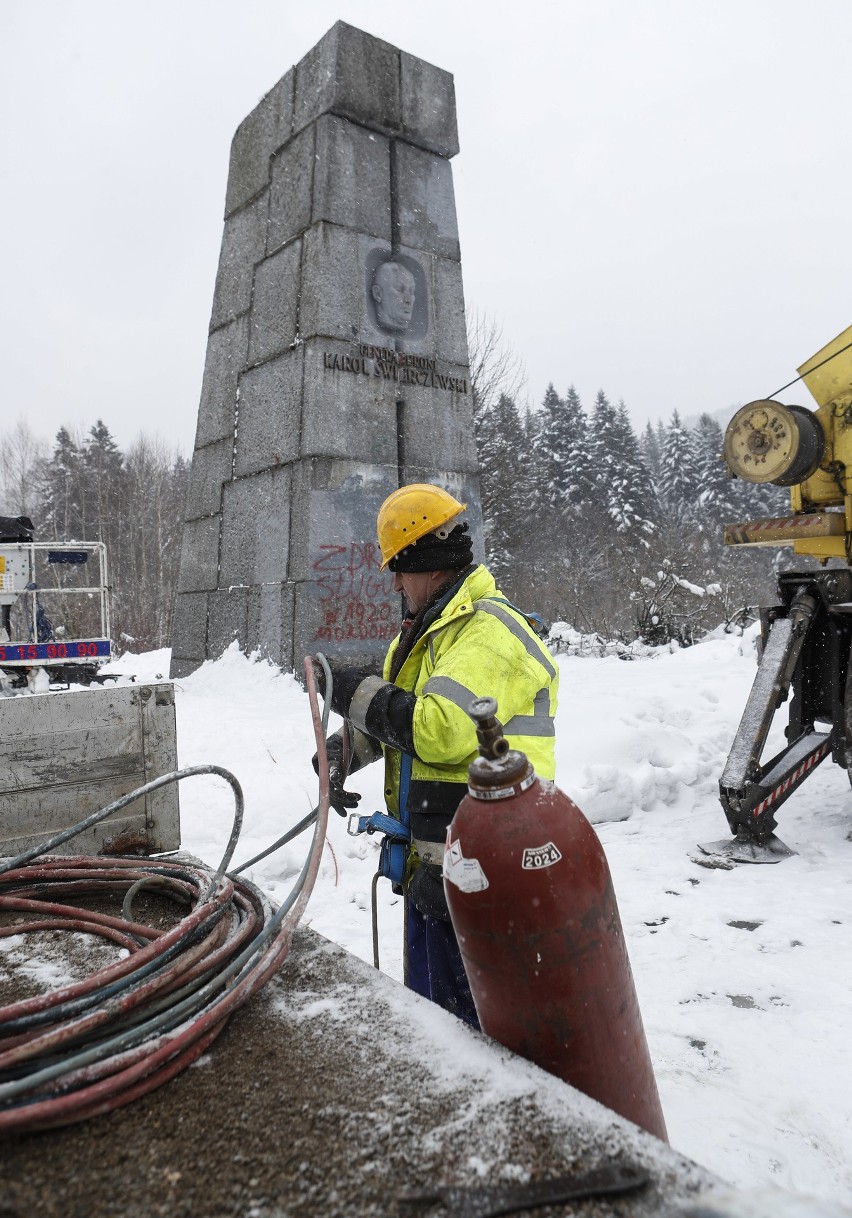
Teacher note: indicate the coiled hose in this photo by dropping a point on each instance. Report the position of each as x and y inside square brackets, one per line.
[99, 1043]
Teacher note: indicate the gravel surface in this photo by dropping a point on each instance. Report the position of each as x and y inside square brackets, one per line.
[333, 1092]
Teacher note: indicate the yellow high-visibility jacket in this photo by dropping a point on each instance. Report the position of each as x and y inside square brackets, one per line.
[477, 647]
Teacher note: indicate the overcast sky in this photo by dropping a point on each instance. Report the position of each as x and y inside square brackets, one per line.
[653, 195]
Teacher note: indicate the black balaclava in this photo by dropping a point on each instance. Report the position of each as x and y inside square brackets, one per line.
[451, 552]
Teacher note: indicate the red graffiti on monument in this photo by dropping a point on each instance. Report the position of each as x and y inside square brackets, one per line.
[356, 597]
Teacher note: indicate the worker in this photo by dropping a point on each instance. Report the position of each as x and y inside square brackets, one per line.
[460, 640]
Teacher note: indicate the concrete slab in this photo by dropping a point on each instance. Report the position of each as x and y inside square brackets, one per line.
[258, 136]
[256, 528]
[332, 300]
[211, 469]
[343, 498]
[227, 351]
[243, 245]
[227, 617]
[351, 73]
[425, 201]
[347, 411]
[269, 629]
[428, 106]
[337, 1092]
[450, 325]
[436, 430]
[352, 177]
[291, 190]
[270, 412]
[189, 633]
[199, 556]
[275, 306]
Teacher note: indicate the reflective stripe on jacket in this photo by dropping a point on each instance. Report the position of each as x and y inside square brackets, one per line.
[477, 647]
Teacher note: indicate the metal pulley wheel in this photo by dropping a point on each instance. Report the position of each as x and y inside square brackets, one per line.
[766, 441]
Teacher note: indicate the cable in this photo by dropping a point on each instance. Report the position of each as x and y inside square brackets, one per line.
[827, 360]
[99, 1043]
[309, 819]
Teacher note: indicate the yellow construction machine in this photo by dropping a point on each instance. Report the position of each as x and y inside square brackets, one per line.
[806, 637]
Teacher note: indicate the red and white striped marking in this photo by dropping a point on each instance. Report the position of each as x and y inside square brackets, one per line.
[744, 532]
[793, 778]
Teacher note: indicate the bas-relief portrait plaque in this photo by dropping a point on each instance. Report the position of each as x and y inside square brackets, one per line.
[396, 296]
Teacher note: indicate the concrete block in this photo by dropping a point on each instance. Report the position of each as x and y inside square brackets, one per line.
[256, 529]
[189, 628]
[425, 201]
[354, 631]
[437, 423]
[352, 177]
[243, 244]
[227, 619]
[333, 293]
[270, 625]
[343, 601]
[428, 106]
[270, 413]
[347, 411]
[227, 353]
[291, 190]
[351, 73]
[211, 469]
[274, 308]
[199, 556]
[449, 314]
[256, 139]
[333, 521]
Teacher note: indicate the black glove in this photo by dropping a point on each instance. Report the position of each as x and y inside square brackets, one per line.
[340, 799]
[426, 892]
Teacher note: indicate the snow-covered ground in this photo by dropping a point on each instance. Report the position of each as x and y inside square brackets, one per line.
[744, 976]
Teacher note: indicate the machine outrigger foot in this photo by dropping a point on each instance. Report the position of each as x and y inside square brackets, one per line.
[741, 849]
[807, 640]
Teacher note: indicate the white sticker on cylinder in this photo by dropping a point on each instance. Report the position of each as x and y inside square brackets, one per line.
[536, 857]
[466, 874]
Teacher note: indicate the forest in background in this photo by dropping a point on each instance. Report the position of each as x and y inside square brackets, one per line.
[616, 533]
[586, 522]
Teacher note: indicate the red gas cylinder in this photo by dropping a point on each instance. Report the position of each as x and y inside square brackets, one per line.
[533, 907]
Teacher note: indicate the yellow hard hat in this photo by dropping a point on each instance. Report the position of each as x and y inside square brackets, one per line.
[410, 513]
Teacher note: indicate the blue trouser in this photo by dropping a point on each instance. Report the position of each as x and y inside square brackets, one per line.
[435, 967]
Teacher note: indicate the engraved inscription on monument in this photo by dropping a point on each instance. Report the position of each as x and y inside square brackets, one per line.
[395, 366]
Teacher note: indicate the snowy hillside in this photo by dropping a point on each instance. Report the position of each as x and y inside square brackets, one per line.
[743, 976]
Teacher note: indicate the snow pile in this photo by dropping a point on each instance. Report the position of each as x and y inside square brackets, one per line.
[743, 976]
[563, 639]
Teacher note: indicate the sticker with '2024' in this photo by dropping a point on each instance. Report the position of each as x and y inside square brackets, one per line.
[537, 857]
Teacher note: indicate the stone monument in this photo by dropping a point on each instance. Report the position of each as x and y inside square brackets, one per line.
[337, 363]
